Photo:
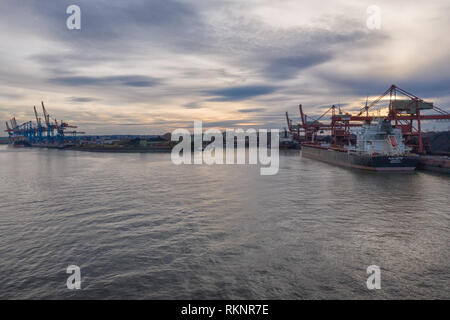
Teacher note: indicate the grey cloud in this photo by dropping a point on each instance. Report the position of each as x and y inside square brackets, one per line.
[104, 20]
[192, 105]
[128, 80]
[308, 48]
[251, 110]
[422, 85]
[240, 93]
[82, 99]
[4, 95]
[225, 123]
[111, 31]
[288, 67]
[279, 54]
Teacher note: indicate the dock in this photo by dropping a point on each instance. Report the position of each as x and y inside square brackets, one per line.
[434, 163]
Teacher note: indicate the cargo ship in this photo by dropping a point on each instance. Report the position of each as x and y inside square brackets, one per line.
[379, 147]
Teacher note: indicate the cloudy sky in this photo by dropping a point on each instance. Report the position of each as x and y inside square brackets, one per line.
[148, 66]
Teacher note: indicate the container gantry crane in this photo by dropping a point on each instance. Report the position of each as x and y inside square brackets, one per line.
[39, 134]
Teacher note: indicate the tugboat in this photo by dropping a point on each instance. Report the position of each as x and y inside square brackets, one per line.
[287, 141]
[379, 147]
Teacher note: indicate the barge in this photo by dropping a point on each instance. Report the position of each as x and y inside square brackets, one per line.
[434, 163]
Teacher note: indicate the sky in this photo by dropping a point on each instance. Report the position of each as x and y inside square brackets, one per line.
[150, 66]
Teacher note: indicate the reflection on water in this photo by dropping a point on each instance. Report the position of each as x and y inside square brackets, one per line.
[141, 227]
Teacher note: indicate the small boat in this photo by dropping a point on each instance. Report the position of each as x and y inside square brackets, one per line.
[287, 141]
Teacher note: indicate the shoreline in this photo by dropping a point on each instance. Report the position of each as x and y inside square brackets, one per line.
[120, 150]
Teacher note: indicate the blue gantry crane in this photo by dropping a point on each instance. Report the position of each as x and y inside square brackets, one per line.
[45, 133]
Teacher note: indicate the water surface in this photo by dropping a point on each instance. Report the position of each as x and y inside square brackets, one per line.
[140, 227]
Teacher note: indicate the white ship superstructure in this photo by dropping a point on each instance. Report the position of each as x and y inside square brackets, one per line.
[380, 138]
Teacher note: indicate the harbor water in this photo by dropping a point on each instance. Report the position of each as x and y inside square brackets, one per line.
[140, 227]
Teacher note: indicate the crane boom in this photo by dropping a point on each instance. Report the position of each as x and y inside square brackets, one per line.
[302, 115]
[38, 121]
[288, 121]
[46, 116]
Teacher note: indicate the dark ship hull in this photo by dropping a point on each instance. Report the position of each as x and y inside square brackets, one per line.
[355, 160]
[20, 144]
[289, 145]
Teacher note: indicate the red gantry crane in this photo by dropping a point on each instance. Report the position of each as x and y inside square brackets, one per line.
[404, 109]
